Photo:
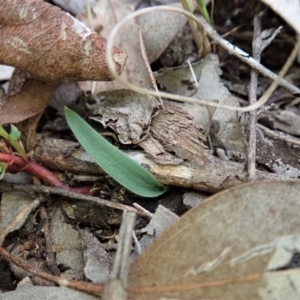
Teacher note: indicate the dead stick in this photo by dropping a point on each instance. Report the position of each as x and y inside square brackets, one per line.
[256, 48]
[65, 193]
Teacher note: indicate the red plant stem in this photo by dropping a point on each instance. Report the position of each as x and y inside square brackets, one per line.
[17, 164]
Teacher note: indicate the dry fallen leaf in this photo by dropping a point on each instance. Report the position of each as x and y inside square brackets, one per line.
[51, 45]
[179, 80]
[238, 244]
[97, 260]
[161, 220]
[288, 10]
[15, 208]
[106, 15]
[31, 100]
[127, 112]
[158, 29]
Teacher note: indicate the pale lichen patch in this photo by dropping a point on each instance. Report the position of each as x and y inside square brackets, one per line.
[23, 12]
[88, 48]
[206, 267]
[63, 31]
[80, 28]
[19, 44]
[282, 168]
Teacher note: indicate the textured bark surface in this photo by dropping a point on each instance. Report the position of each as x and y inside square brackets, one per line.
[175, 153]
[63, 155]
[173, 131]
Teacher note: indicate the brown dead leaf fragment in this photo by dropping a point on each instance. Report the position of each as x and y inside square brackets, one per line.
[31, 100]
[160, 27]
[51, 45]
[288, 10]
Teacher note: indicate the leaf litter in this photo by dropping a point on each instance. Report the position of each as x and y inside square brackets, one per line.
[230, 246]
[222, 265]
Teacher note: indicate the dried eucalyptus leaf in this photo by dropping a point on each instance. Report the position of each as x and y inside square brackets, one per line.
[238, 244]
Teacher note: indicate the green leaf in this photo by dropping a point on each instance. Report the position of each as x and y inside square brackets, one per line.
[15, 134]
[113, 161]
[2, 170]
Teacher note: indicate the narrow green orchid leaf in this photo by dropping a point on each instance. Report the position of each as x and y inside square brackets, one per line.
[113, 161]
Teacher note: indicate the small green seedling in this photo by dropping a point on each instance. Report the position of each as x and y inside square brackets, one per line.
[113, 161]
[13, 139]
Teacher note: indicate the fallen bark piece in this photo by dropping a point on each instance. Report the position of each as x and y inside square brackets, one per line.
[52, 45]
[177, 132]
[213, 176]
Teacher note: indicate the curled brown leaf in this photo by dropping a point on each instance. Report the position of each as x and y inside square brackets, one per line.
[51, 45]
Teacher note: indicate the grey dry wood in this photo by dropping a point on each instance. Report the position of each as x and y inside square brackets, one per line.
[172, 131]
[115, 289]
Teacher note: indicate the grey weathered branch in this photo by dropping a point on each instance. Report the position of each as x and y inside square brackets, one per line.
[175, 153]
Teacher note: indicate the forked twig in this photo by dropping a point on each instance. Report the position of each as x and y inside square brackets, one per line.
[258, 45]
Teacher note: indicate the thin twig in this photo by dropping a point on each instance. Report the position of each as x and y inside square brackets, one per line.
[147, 64]
[193, 73]
[245, 57]
[117, 284]
[137, 244]
[121, 263]
[143, 210]
[68, 194]
[51, 261]
[90, 18]
[256, 48]
[279, 135]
